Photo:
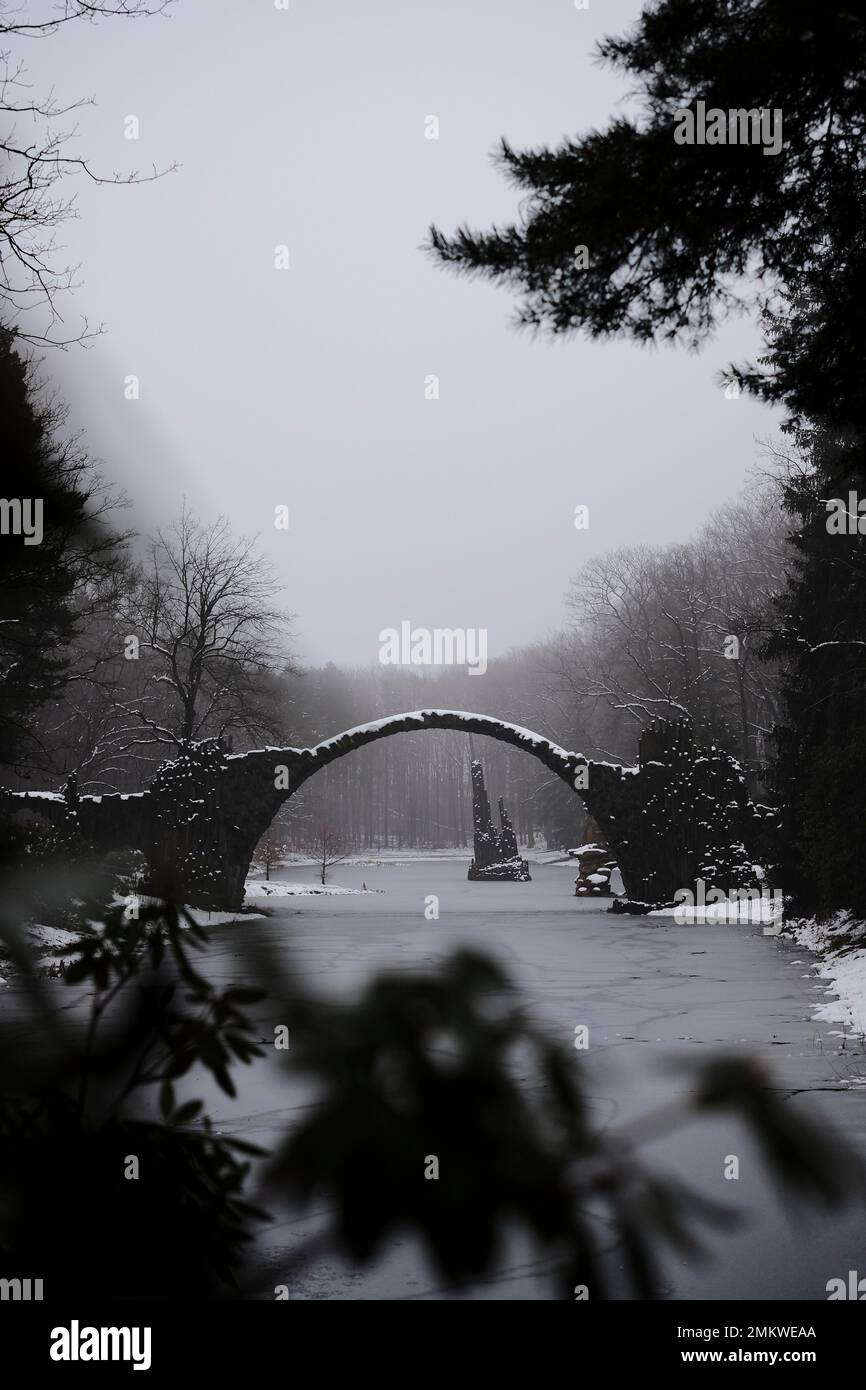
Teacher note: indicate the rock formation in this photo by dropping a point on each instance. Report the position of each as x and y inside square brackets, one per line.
[496, 854]
[595, 864]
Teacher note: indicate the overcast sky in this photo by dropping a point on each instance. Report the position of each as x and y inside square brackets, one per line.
[306, 387]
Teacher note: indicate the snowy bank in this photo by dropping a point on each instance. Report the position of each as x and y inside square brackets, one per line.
[840, 945]
[280, 889]
[766, 912]
[52, 941]
[366, 859]
[203, 918]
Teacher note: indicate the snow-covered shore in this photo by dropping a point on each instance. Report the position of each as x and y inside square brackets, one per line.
[280, 888]
[764, 911]
[840, 946]
[51, 942]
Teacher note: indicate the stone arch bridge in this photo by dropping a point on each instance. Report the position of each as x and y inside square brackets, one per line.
[680, 813]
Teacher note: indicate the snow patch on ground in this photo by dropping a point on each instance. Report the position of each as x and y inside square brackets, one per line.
[842, 963]
[273, 889]
[380, 858]
[44, 938]
[368, 858]
[757, 911]
[203, 918]
[49, 941]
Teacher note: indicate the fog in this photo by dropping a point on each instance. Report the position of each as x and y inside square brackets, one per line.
[305, 387]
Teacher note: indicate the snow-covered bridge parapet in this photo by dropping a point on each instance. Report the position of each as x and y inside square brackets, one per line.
[116, 817]
[681, 813]
[304, 762]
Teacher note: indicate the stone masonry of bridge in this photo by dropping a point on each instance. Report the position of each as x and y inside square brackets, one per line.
[681, 813]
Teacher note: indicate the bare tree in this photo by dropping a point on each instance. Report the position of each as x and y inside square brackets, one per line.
[329, 849]
[34, 140]
[270, 849]
[203, 609]
[678, 631]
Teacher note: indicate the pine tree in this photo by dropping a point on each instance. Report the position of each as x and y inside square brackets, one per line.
[819, 768]
[49, 490]
[625, 230]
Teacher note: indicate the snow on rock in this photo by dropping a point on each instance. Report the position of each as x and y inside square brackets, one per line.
[422, 715]
[436, 718]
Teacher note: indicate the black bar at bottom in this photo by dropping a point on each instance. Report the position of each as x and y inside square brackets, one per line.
[59, 1338]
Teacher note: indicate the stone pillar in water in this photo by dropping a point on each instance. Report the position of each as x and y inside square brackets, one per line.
[497, 858]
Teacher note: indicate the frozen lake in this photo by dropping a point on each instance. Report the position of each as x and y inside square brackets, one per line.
[654, 994]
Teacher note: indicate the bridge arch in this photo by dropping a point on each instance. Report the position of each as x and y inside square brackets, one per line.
[266, 778]
[682, 813]
[307, 762]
